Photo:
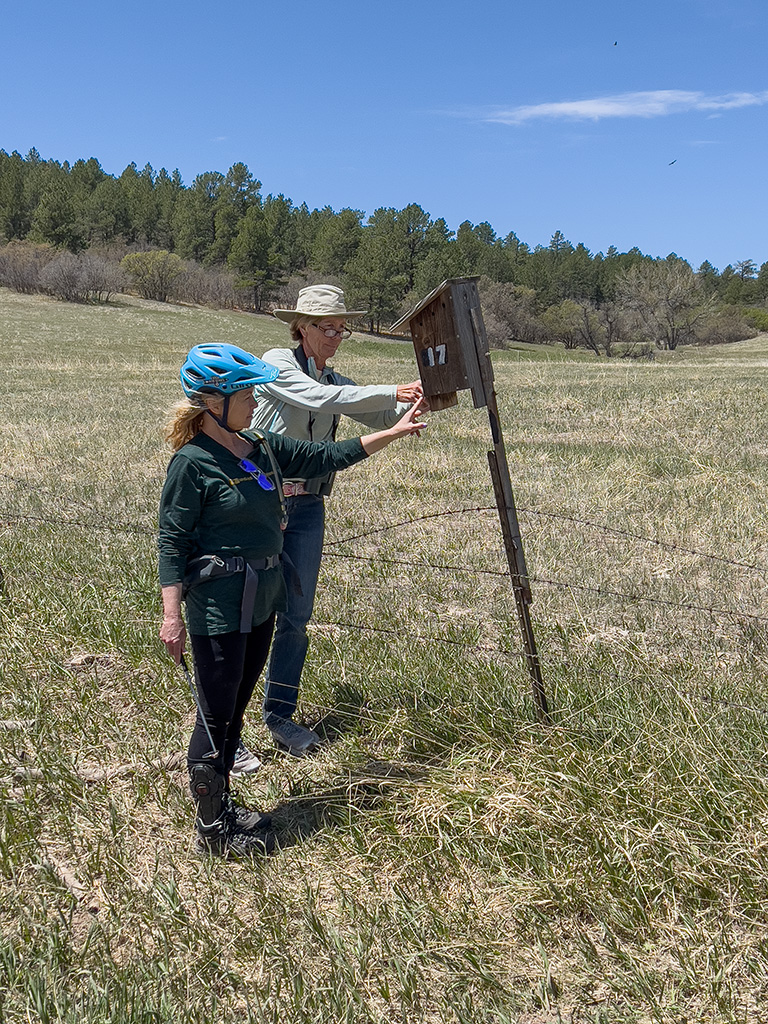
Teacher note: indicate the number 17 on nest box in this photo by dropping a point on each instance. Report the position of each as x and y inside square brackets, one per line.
[449, 339]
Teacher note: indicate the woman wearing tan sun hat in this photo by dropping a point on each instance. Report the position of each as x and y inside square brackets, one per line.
[306, 402]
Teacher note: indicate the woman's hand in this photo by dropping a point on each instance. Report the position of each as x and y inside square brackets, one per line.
[410, 423]
[173, 632]
[412, 392]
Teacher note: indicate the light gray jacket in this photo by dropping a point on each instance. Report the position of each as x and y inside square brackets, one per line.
[308, 406]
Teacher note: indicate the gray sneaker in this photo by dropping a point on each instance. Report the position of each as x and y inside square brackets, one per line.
[246, 762]
[292, 737]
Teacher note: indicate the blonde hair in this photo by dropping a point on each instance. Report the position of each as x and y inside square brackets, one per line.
[302, 320]
[184, 422]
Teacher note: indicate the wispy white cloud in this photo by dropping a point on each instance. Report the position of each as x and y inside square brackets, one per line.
[658, 103]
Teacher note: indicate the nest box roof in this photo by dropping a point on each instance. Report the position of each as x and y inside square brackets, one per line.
[431, 298]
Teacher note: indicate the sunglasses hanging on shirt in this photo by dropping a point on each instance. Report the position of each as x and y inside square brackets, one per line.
[253, 470]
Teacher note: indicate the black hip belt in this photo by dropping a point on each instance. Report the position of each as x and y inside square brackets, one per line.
[211, 567]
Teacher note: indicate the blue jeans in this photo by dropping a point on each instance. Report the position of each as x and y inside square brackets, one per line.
[303, 544]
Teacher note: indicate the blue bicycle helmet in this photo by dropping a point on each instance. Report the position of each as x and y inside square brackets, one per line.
[221, 369]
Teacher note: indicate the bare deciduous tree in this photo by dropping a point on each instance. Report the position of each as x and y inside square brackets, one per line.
[86, 277]
[509, 312]
[664, 300]
[21, 264]
[205, 286]
[602, 328]
[62, 277]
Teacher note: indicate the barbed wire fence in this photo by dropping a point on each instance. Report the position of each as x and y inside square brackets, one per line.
[10, 518]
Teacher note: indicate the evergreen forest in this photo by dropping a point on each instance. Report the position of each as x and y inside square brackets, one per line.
[80, 234]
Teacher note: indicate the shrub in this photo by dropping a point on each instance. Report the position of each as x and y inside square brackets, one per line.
[153, 273]
[102, 276]
[63, 278]
[725, 326]
[756, 317]
[205, 286]
[86, 277]
[21, 264]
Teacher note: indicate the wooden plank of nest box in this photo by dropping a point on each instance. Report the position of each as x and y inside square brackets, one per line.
[445, 401]
[438, 325]
[429, 298]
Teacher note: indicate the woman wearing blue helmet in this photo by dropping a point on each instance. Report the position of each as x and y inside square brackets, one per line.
[220, 539]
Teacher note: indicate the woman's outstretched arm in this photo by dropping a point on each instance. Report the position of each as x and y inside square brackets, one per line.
[410, 423]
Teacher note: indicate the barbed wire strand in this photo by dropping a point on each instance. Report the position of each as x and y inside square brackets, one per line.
[520, 656]
[563, 585]
[569, 586]
[118, 525]
[563, 517]
[109, 527]
[484, 650]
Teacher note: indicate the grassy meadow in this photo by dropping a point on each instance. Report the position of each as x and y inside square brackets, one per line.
[444, 858]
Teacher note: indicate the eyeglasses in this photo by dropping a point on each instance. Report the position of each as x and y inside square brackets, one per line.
[261, 478]
[330, 332]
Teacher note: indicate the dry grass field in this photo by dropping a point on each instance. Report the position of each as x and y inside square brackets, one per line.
[444, 858]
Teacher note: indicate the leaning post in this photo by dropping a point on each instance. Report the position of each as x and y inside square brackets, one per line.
[452, 353]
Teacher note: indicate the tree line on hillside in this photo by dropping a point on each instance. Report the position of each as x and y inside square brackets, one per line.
[81, 234]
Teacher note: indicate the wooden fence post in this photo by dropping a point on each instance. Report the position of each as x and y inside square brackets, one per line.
[452, 352]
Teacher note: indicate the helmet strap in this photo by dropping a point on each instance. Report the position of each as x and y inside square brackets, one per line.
[222, 420]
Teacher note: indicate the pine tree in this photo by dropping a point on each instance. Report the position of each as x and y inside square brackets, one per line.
[250, 256]
[15, 215]
[337, 241]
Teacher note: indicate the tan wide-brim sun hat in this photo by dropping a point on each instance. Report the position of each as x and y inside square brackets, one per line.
[318, 300]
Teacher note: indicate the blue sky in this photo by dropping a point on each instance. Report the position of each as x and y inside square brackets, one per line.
[534, 116]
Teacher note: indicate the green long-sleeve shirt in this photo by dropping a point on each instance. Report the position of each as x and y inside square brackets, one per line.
[211, 506]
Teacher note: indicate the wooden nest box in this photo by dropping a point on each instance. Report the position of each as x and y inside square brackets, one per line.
[449, 338]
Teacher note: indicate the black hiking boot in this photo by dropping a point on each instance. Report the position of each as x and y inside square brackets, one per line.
[219, 841]
[243, 818]
[218, 831]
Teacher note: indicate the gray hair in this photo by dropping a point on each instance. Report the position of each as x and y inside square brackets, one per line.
[302, 320]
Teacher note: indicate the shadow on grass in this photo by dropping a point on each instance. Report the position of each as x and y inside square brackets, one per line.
[343, 798]
[346, 716]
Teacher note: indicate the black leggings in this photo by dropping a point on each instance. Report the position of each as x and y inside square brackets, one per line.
[227, 668]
